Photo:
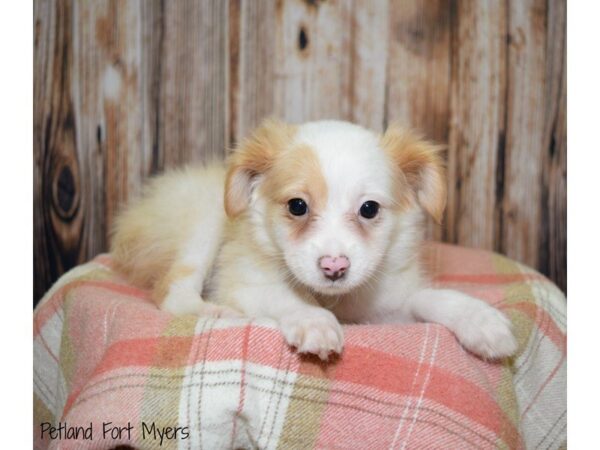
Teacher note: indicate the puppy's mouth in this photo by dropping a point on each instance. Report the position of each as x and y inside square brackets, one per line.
[325, 284]
[333, 287]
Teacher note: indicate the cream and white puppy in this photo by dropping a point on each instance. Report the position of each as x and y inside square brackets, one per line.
[310, 225]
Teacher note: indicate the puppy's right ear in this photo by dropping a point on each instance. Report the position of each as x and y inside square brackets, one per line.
[251, 159]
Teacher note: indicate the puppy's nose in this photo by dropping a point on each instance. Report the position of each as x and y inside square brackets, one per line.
[334, 268]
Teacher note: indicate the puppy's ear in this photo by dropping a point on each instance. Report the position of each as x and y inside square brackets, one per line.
[252, 158]
[422, 166]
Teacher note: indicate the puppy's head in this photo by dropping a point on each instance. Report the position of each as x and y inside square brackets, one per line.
[331, 198]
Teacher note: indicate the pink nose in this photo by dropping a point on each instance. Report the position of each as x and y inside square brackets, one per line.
[334, 268]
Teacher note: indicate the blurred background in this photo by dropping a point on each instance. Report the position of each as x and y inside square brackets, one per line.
[127, 88]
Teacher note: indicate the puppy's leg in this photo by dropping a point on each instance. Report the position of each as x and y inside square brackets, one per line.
[478, 326]
[305, 325]
[179, 290]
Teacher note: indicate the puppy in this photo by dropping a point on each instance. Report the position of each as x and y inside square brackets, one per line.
[310, 225]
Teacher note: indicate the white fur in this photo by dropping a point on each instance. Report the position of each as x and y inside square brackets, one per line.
[250, 264]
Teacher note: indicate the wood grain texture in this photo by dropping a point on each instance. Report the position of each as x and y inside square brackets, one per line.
[368, 40]
[478, 90]
[552, 259]
[126, 89]
[192, 124]
[107, 99]
[304, 60]
[419, 72]
[311, 60]
[253, 64]
[419, 66]
[532, 207]
[152, 13]
[50, 48]
[524, 151]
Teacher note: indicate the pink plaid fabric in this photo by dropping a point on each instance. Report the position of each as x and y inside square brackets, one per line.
[105, 357]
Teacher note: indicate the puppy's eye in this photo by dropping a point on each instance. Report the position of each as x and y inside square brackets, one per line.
[297, 207]
[369, 209]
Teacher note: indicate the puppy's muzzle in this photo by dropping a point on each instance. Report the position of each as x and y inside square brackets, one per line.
[334, 268]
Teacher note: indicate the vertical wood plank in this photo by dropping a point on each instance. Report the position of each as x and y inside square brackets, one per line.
[57, 216]
[233, 69]
[108, 107]
[91, 125]
[87, 151]
[534, 207]
[419, 71]
[552, 259]
[478, 84]
[253, 66]
[419, 66]
[367, 40]
[193, 124]
[524, 157]
[309, 60]
[151, 53]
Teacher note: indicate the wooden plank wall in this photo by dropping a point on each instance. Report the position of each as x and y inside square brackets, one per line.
[125, 89]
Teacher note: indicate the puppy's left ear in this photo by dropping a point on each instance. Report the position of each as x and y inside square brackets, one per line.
[422, 166]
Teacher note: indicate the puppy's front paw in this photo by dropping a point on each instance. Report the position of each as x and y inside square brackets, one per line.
[486, 332]
[314, 331]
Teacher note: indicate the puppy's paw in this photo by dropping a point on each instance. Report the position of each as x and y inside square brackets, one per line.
[315, 331]
[486, 332]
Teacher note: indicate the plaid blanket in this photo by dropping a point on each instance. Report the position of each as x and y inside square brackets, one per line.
[110, 369]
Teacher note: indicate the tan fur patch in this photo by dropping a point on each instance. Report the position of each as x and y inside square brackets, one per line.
[421, 166]
[254, 157]
[296, 173]
[151, 232]
[132, 250]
